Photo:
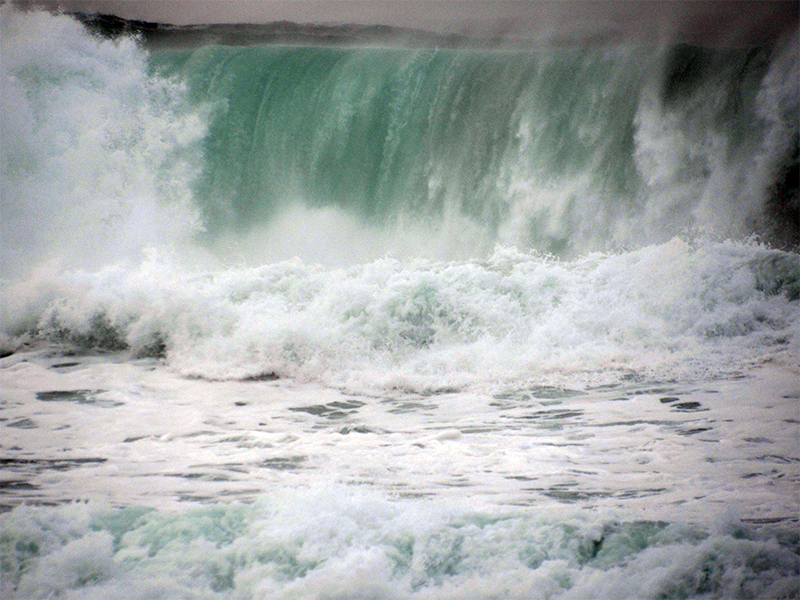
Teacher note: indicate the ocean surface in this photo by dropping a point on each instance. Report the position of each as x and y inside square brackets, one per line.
[373, 321]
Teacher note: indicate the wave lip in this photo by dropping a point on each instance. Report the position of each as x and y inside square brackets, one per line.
[159, 35]
[719, 23]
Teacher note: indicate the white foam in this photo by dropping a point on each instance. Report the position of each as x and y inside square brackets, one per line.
[671, 310]
[333, 542]
[98, 155]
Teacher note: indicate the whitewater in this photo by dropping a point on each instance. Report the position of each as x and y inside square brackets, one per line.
[367, 320]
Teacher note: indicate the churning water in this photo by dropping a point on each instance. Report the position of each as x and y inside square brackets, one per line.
[385, 322]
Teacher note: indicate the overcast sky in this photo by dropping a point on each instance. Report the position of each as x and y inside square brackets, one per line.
[735, 21]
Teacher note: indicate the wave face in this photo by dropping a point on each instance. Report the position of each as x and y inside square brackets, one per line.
[563, 150]
[557, 150]
[133, 179]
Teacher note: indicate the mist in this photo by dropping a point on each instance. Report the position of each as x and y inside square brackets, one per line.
[726, 22]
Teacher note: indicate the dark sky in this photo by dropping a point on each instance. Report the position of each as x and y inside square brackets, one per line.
[712, 21]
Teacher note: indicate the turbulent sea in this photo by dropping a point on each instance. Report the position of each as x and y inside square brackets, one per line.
[387, 322]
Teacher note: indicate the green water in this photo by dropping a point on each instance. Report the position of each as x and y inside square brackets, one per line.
[578, 147]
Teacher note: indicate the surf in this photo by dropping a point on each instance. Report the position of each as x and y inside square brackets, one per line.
[395, 320]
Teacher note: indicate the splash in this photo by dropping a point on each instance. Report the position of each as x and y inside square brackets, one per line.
[98, 156]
